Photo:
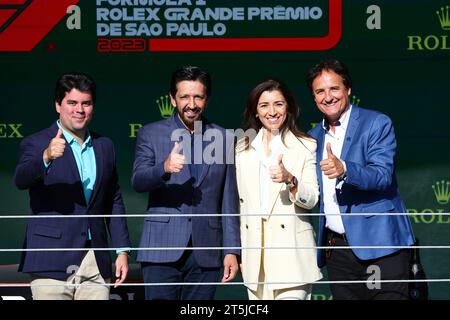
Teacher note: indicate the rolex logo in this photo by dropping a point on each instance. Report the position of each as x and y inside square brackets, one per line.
[432, 42]
[10, 130]
[442, 191]
[165, 107]
[444, 18]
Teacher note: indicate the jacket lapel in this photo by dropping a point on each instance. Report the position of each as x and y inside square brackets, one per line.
[320, 141]
[353, 125]
[275, 188]
[252, 171]
[184, 174]
[69, 159]
[98, 152]
[205, 167]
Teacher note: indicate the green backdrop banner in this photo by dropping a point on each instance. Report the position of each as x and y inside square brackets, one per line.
[398, 53]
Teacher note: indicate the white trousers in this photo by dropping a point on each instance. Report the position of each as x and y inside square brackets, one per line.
[264, 293]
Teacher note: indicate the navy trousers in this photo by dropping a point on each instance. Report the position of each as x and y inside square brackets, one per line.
[184, 270]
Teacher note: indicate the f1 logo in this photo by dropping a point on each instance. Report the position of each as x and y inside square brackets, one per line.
[24, 23]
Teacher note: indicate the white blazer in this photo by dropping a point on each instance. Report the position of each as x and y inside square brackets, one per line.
[290, 230]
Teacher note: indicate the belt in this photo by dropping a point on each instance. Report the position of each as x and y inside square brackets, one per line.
[332, 234]
[331, 237]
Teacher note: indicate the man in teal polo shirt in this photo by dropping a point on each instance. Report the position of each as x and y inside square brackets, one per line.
[70, 170]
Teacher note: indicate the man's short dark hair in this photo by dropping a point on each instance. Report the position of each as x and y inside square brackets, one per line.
[190, 73]
[74, 80]
[332, 64]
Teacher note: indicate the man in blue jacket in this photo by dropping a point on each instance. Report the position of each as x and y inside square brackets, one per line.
[356, 171]
[187, 195]
[68, 171]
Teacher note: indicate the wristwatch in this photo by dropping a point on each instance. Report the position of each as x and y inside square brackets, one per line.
[292, 183]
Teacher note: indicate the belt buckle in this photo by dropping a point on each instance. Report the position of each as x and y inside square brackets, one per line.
[331, 242]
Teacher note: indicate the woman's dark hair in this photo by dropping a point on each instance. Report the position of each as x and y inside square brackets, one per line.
[292, 112]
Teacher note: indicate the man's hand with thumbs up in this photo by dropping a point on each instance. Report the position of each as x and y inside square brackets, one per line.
[175, 161]
[56, 148]
[332, 167]
[278, 172]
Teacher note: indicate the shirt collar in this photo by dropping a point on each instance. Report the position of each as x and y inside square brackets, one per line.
[71, 139]
[257, 142]
[181, 124]
[274, 143]
[342, 122]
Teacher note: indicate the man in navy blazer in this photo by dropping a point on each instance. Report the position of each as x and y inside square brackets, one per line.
[356, 171]
[187, 193]
[69, 171]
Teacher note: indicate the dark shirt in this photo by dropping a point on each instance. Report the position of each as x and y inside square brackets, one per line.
[195, 163]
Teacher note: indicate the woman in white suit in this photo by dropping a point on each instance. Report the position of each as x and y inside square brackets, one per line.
[277, 182]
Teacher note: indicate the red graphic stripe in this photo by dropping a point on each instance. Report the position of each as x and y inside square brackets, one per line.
[33, 24]
[258, 44]
[14, 2]
[5, 15]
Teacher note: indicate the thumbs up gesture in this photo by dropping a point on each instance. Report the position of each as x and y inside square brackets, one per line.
[56, 148]
[175, 161]
[278, 172]
[332, 167]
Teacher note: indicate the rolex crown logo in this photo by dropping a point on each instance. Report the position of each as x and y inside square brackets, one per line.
[444, 18]
[165, 107]
[442, 191]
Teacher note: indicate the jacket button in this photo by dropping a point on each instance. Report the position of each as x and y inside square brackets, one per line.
[246, 226]
[282, 226]
[241, 200]
[190, 219]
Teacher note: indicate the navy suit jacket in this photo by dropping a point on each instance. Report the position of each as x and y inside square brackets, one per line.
[370, 186]
[215, 192]
[57, 190]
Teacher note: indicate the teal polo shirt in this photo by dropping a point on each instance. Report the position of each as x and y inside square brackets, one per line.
[85, 158]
